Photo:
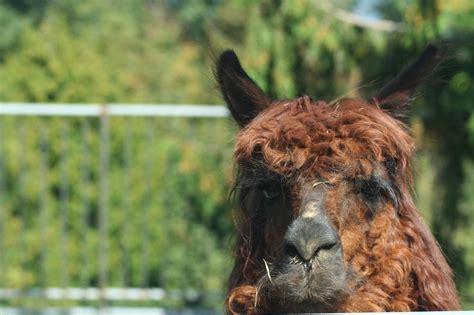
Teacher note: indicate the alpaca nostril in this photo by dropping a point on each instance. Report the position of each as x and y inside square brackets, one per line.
[291, 251]
[306, 253]
[327, 246]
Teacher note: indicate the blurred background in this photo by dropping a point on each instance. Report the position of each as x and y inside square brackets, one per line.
[125, 211]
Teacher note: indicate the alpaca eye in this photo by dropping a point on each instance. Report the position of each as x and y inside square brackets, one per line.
[270, 192]
[370, 190]
[373, 190]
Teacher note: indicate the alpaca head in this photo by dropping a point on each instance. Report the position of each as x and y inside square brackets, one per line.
[323, 191]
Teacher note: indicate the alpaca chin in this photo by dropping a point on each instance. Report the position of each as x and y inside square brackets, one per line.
[296, 287]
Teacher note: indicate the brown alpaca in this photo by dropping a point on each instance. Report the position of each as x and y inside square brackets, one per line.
[327, 222]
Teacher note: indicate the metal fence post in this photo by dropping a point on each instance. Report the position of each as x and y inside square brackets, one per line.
[85, 181]
[64, 207]
[103, 200]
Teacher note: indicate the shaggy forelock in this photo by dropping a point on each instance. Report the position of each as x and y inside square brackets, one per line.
[305, 136]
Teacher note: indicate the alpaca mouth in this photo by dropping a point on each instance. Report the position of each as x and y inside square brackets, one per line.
[320, 279]
[298, 286]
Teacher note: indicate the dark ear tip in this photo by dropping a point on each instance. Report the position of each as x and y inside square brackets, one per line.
[431, 46]
[430, 51]
[228, 60]
[228, 56]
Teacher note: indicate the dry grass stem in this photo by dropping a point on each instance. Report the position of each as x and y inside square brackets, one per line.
[268, 270]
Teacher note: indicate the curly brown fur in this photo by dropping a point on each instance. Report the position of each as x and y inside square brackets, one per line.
[346, 165]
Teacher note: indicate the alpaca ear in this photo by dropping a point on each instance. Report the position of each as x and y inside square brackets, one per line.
[397, 94]
[243, 96]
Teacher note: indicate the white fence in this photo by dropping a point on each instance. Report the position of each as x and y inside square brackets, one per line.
[103, 112]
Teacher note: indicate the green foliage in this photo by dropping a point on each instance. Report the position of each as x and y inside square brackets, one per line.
[12, 26]
[169, 221]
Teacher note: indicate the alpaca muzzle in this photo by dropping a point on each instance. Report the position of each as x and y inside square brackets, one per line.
[308, 240]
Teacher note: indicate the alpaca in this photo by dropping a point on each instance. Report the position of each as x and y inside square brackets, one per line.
[326, 219]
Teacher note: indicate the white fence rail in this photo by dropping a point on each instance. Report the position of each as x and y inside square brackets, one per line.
[150, 110]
